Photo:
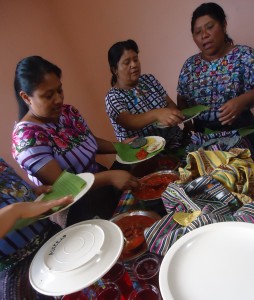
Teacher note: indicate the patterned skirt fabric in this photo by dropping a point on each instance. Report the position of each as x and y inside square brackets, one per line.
[14, 282]
[15, 285]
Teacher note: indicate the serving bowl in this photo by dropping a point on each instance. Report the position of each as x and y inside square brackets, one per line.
[133, 225]
[160, 162]
[149, 193]
[153, 185]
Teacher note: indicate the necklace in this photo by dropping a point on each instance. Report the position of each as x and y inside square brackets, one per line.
[140, 90]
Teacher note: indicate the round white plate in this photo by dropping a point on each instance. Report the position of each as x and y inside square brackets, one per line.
[158, 139]
[89, 179]
[210, 262]
[76, 257]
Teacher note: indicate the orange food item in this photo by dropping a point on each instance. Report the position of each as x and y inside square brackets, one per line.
[141, 154]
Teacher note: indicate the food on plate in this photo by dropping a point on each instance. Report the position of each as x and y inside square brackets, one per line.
[151, 187]
[154, 147]
[141, 154]
[150, 140]
[138, 142]
[133, 230]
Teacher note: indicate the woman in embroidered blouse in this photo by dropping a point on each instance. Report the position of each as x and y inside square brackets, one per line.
[135, 102]
[18, 247]
[52, 137]
[221, 76]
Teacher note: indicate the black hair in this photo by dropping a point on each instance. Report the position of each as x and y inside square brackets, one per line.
[214, 11]
[114, 54]
[30, 72]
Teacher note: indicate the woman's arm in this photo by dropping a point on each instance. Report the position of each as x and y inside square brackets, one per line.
[49, 173]
[13, 212]
[168, 116]
[105, 147]
[170, 102]
[118, 178]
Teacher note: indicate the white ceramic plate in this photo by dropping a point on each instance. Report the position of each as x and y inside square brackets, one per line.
[89, 179]
[158, 139]
[76, 257]
[210, 262]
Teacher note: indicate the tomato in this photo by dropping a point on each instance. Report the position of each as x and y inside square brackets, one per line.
[141, 154]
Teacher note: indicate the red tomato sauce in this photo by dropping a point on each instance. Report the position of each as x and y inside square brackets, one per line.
[154, 186]
[133, 230]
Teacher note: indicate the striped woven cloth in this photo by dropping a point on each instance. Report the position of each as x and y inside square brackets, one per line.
[206, 194]
[234, 169]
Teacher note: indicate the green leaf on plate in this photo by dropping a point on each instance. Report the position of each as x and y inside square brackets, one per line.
[128, 154]
[66, 184]
[245, 131]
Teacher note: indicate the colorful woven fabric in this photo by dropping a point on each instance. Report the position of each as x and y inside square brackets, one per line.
[205, 193]
[126, 203]
[69, 141]
[213, 83]
[234, 169]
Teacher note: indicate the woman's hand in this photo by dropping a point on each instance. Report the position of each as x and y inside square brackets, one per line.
[169, 116]
[120, 179]
[234, 107]
[38, 190]
[33, 209]
[123, 180]
[230, 111]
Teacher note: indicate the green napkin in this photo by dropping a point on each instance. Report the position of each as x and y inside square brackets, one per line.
[128, 154]
[66, 184]
[192, 111]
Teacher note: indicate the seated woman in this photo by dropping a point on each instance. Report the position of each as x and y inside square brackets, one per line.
[18, 247]
[221, 76]
[136, 102]
[52, 137]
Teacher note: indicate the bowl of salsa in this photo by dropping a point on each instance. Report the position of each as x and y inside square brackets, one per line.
[153, 185]
[160, 162]
[133, 225]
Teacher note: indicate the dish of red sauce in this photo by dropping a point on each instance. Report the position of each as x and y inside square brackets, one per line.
[133, 230]
[151, 187]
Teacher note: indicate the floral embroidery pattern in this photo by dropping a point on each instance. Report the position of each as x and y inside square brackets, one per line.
[62, 137]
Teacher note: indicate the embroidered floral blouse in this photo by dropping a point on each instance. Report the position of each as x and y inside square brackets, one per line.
[70, 142]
